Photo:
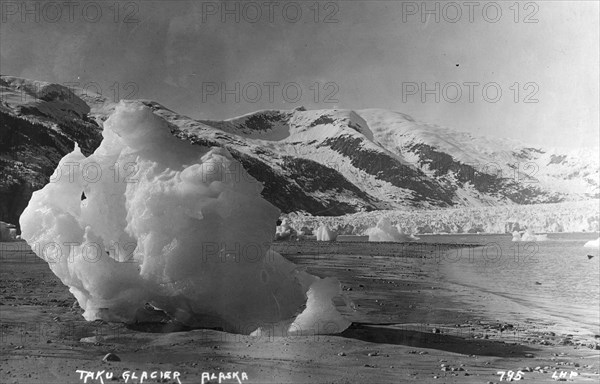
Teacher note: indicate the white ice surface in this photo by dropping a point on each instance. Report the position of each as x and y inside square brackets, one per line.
[179, 226]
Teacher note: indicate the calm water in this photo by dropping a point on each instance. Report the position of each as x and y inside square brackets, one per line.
[553, 278]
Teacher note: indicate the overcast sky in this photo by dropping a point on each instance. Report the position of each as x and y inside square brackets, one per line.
[345, 54]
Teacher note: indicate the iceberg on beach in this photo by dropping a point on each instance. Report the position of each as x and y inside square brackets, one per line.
[174, 229]
[593, 243]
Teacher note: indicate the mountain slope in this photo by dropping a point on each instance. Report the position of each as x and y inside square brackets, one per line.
[324, 162]
[39, 124]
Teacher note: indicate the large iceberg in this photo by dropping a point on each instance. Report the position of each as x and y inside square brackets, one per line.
[151, 219]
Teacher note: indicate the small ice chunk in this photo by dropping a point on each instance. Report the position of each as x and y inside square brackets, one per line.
[516, 236]
[323, 233]
[593, 243]
[385, 231]
[285, 231]
[530, 236]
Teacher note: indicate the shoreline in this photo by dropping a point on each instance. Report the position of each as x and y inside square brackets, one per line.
[408, 326]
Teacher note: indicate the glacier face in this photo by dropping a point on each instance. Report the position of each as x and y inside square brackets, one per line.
[579, 216]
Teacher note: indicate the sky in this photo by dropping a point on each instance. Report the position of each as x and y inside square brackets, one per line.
[522, 70]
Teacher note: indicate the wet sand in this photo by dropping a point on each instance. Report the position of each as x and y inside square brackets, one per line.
[408, 326]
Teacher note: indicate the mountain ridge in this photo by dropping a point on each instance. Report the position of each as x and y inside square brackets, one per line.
[322, 162]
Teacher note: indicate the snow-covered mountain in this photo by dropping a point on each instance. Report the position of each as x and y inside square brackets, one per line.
[323, 162]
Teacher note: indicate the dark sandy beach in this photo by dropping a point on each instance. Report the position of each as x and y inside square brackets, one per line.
[408, 326]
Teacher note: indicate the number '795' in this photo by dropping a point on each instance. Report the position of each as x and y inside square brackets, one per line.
[510, 375]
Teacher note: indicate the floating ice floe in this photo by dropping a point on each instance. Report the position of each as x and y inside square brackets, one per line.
[593, 243]
[385, 231]
[173, 229]
[529, 236]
